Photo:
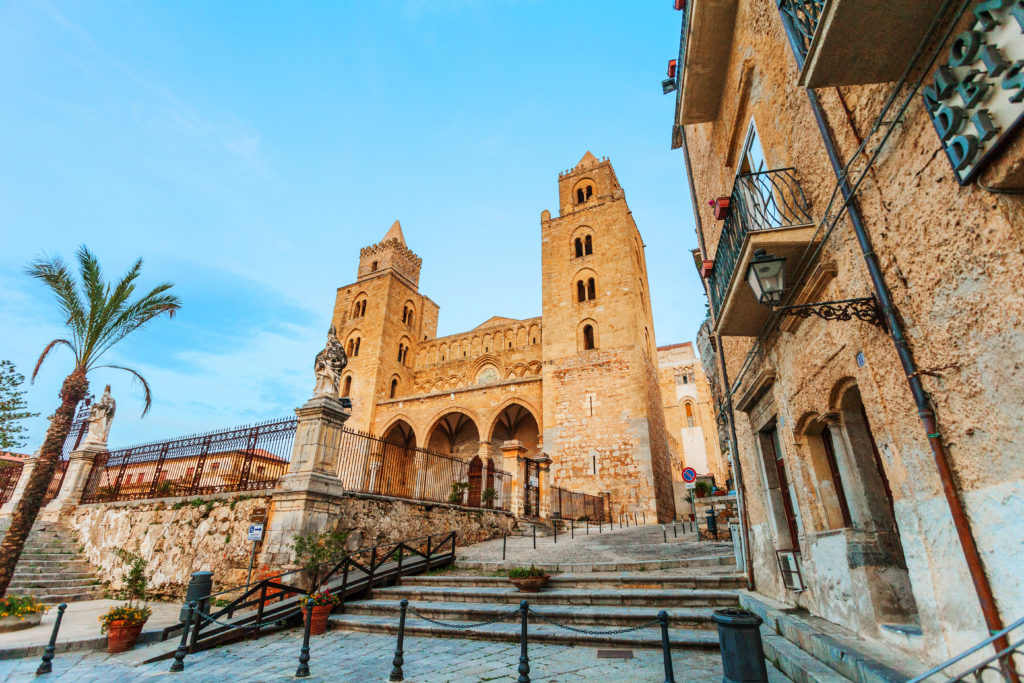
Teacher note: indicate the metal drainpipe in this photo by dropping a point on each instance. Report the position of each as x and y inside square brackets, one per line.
[734, 451]
[982, 587]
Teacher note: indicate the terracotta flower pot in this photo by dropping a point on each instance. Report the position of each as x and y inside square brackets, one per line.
[531, 584]
[121, 635]
[320, 614]
[721, 208]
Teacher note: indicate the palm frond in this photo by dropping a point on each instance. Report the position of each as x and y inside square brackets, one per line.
[46, 351]
[142, 380]
[57, 276]
[114, 304]
[137, 315]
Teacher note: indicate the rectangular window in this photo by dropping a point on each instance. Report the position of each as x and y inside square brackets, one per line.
[775, 457]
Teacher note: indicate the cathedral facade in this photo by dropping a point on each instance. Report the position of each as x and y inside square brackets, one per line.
[575, 388]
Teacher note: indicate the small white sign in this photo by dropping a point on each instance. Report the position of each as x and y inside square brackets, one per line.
[691, 484]
[255, 532]
[534, 481]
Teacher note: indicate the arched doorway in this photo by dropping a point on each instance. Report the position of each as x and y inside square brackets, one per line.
[516, 422]
[396, 466]
[454, 440]
[476, 481]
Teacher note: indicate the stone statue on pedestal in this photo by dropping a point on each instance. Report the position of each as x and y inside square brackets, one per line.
[100, 416]
[328, 366]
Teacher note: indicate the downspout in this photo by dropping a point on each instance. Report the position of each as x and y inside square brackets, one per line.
[734, 454]
[975, 566]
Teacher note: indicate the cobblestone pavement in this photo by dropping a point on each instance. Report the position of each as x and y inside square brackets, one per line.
[631, 544]
[364, 657]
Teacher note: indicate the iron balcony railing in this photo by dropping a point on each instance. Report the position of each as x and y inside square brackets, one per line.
[802, 17]
[767, 200]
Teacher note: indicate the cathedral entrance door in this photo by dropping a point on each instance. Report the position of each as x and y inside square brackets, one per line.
[531, 488]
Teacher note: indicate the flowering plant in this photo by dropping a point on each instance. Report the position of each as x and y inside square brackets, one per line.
[318, 598]
[130, 614]
[19, 606]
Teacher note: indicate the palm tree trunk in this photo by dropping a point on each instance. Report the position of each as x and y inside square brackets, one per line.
[74, 389]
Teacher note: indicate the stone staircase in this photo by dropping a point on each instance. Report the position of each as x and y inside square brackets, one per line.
[590, 602]
[51, 567]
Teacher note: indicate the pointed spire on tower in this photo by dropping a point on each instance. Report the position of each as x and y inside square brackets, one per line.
[395, 232]
[587, 161]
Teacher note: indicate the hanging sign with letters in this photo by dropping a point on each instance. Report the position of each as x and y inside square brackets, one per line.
[976, 98]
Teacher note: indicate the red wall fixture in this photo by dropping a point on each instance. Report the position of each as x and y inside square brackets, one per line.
[720, 207]
[680, 4]
[671, 68]
[706, 267]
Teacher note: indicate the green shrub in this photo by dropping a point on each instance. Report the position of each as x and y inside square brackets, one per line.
[455, 498]
[313, 549]
[20, 605]
[524, 573]
[488, 495]
[702, 489]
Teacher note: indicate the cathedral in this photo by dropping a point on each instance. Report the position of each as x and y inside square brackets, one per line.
[575, 388]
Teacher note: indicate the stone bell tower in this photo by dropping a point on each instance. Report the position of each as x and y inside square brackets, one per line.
[381, 318]
[604, 425]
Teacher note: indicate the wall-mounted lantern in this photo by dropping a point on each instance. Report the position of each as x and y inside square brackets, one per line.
[766, 276]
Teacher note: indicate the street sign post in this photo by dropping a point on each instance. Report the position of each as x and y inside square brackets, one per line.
[255, 535]
[689, 475]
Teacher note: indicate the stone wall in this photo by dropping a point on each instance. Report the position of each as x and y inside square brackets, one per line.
[179, 536]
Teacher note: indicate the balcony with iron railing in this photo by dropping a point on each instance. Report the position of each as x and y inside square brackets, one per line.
[767, 210]
[853, 42]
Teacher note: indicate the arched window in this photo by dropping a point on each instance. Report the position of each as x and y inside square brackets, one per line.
[355, 311]
[588, 245]
[373, 267]
[405, 313]
[351, 347]
[590, 191]
[689, 414]
[408, 323]
[355, 351]
[394, 387]
[591, 289]
[401, 351]
[581, 290]
[579, 196]
[588, 337]
[347, 387]
[579, 247]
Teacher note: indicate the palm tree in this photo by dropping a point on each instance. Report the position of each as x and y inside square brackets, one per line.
[97, 316]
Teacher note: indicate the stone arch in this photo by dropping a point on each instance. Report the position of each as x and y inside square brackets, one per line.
[515, 419]
[813, 435]
[346, 385]
[521, 337]
[408, 313]
[690, 414]
[535, 334]
[582, 338]
[359, 305]
[534, 367]
[403, 349]
[839, 389]
[353, 342]
[394, 386]
[474, 345]
[392, 465]
[584, 190]
[446, 424]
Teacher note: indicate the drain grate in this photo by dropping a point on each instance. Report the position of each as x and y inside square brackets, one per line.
[615, 654]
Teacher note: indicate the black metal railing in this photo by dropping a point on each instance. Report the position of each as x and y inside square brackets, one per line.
[245, 458]
[577, 506]
[79, 427]
[802, 17]
[767, 200]
[1004, 666]
[273, 602]
[10, 472]
[369, 464]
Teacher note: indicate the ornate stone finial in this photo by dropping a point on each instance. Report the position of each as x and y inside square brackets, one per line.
[100, 416]
[328, 366]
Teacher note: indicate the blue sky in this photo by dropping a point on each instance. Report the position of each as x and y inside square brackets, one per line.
[248, 150]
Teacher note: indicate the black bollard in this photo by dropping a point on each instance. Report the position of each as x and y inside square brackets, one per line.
[555, 526]
[572, 528]
[303, 669]
[46, 666]
[534, 536]
[197, 610]
[664, 534]
[739, 638]
[600, 524]
[504, 541]
[199, 588]
[588, 527]
[634, 519]
[524, 659]
[179, 655]
[644, 513]
[399, 660]
[675, 534]
[666, 651]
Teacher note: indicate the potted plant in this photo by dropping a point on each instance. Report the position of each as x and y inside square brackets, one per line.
[318, 606]
[701, 489]
[720, 208]
[488, 495]
[314, 549]
[528, 580]
[458, 489]
[123, 623]
[20, 611]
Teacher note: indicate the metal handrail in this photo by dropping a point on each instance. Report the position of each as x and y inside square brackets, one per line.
[1002, 664]
[764, 200]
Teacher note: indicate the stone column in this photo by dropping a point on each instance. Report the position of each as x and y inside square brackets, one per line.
[512, 455]
[308, 497]
[19, 488]
[75, 479]
[544, 485]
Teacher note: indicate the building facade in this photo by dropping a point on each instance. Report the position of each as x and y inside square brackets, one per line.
[878, 440]
[690, 417]
[578, 384]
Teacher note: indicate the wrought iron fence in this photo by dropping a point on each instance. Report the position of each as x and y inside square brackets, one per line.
[767, 200]
[802, 16]
[578, 506]
[9, 475]
[246, 458]
[1006, 665]
[369, 464]
[72, 441]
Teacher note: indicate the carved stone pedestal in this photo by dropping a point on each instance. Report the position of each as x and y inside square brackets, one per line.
[75, 479]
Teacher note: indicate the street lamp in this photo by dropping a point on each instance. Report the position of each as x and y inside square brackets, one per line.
[766, 276]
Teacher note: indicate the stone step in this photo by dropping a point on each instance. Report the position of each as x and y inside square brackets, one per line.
[50, 565]
[47, 555]
[662, 599]
[539, 632]
[83, 582]
[57, 595]
[600, 582]
[797, 665]
[679, 617]
[57, 569]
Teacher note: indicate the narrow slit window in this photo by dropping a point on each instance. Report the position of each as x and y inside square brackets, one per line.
[591, 289]
[588, 337]
[588, 245]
